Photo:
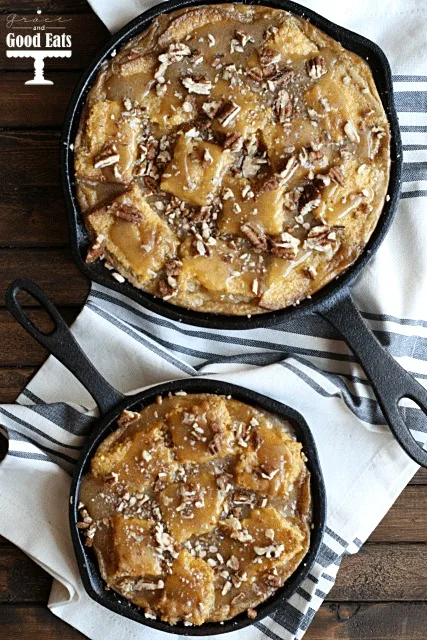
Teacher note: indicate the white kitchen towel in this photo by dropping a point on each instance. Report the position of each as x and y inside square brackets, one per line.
[303, 363]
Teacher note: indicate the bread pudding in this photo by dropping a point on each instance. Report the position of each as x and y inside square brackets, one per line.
[198, 507]
[231, 159]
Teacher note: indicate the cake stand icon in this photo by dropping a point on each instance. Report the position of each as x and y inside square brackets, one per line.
[38, 57]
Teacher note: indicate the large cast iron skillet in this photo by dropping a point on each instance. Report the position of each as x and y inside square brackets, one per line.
[61, 343]
[389, 381]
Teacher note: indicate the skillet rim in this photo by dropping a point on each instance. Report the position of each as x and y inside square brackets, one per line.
[88, 567]
[327, 296]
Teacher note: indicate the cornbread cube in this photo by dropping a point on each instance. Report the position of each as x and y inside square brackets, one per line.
[192, 507]
[252, 116]
[276, 540]
[291, 41]
[189, 592]
[287, 282]
[138, 459]
[136, 62]
[273, 466]
[223, 271]
[201, 432]
[139, 248]
[189, 176]
[265, 209]
[109, 144]
[133, 551]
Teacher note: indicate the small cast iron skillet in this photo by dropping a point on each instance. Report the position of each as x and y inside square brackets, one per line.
[61, 343]
[389, 381]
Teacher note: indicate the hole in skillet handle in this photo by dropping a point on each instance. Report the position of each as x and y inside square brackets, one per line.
[14, 305]
[91, 578]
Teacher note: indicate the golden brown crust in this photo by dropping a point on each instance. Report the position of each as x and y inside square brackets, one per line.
[257, 140]
[198, 507]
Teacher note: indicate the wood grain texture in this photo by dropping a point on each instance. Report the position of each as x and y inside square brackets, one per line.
[22, 104]
[17, 347]
[406, 521]
[334, 621]
[53, 270]
[12, 381]
[79, 26]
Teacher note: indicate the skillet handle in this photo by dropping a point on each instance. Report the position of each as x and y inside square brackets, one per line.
[61, 343]
[389, 380]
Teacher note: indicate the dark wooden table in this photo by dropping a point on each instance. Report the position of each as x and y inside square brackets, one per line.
[381, 593]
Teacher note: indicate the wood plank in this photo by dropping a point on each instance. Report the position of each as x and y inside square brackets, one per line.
[406, 521]
[28, 159]
[31, 105]
[12, 381]
[21, 579]
[17, 347]
[30, 191]
[28, 623]
[354, 621]
[54, 270]
[334, 621]
[420, 477]
[383, 572]
[87, 32]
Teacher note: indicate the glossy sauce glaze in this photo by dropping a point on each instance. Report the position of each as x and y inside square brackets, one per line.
[232, 159]
[198, 507]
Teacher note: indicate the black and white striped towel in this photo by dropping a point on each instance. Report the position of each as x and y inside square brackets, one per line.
[304, 364]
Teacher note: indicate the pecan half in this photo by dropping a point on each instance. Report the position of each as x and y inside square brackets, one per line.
[269, 56]
[316, 67]
[285, 246]
[255, 235]
[266, 183]
[283, 106]
[96, 250]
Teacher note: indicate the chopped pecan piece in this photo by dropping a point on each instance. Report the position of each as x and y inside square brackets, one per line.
[197, 84]
[106, 157]
[282, 78]
[269, 56]
[96, 250]
[125, 212]
[255, 74]
[233, 141]
[266, 183]
[323, 239]
[227, 113]
[211, 108]
[151, 183]
[316, 67]
[285, 246]
[283, 106]
[165, 289]
[336, 174]
[255, 235]
[173, 267]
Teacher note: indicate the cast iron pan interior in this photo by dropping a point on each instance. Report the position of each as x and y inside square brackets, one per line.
[92, 581]
[328, 294]
[61, 343]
